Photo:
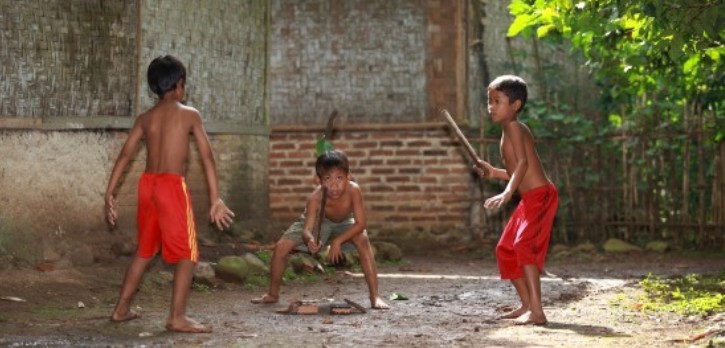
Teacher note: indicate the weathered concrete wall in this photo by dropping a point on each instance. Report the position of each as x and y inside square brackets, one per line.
[51, 191]
[364, 58]
[75, 67]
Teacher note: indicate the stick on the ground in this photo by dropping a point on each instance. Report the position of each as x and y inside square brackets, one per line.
[462, 138]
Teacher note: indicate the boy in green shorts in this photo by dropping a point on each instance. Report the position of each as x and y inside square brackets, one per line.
[344, 222]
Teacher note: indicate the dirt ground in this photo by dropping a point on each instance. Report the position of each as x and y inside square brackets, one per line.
[452, 301]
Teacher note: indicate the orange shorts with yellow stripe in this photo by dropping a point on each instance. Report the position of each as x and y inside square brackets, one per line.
[165, 218]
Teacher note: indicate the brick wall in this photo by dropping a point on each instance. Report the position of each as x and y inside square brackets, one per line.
[415, 180]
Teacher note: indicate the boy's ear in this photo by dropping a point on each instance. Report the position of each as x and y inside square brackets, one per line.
[517, 105]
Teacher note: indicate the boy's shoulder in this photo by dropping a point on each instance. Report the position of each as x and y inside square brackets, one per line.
[515, 126]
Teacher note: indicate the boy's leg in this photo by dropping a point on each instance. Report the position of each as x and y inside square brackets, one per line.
[131, 280]
[370, 269]
[278, 264]
[178, 321]
[535, 314]
[522, 290]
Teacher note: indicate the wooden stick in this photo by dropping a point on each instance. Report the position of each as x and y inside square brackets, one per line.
[462, 138]
[320, 215]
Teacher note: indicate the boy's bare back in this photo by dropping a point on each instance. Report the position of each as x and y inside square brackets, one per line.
[166, 129]
[516, 134]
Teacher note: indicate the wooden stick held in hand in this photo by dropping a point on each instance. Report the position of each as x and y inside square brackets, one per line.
[320, 215]
[462, 138]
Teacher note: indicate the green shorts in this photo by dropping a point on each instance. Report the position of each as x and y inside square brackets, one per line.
[330, 231]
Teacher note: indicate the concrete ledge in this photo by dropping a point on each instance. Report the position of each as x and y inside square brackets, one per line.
[117, 122]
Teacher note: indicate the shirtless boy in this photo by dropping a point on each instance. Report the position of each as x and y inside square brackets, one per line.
[521, 251]
[344, 222]
[165, 217]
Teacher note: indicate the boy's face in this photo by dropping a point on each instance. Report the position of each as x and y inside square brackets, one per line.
[335, 180]
[500, 107]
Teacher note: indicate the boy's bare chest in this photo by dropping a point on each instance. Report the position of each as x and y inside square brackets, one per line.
[339, 209]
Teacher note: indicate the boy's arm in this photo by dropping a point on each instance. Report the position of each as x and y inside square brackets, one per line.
[313, 204]
[516, 136]
[494, 173]
[129, 147]
[218, 211]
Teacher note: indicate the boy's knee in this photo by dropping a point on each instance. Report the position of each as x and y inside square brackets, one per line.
[284, 246]
[361, 241]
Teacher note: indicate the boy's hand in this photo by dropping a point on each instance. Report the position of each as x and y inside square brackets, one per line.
[335, 255]
[311, 244]
[111, 214]
[483, 168]
[220, 215]
[497, 201]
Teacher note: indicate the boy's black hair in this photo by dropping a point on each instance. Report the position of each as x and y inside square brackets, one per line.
[513, 87]
[164, 73]
[330, 160]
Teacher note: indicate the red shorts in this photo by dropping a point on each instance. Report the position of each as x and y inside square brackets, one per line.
[525, 240]
[165, 218]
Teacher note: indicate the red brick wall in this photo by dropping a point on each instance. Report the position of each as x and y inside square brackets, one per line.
[414, 178]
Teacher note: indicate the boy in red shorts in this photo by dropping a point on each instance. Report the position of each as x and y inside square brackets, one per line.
[521, 251]
[165, 217]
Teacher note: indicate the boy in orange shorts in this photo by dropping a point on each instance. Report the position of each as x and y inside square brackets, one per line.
[521, 251]
[165, 217]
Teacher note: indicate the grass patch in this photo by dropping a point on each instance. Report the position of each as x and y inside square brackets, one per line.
[693, 294]
[50, 312]
[199, 287]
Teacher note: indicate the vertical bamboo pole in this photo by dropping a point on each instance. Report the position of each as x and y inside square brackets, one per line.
[481, 185]
[702, 239]
[625, 170]
[686, 167]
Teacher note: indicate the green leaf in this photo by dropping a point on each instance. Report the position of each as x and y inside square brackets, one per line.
[519, 24]
[691, 64]
[518, 7]
[323, 146]
[544, 30]
[398, 297]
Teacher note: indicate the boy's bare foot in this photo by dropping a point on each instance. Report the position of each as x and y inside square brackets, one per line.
[378, 303]
[265, 299]
[130, 315]
[529, 318]
[186, 325]
[514, 314]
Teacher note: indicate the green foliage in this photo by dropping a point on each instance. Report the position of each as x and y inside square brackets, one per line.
[691, 294]
[199, 287]
[264, 255]
[637, 46]
[658, 66]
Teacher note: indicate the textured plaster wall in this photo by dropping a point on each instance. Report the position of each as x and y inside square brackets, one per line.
[222, 43]
[51, 191]
[67, 58]
[88, 58]
[365, 58]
